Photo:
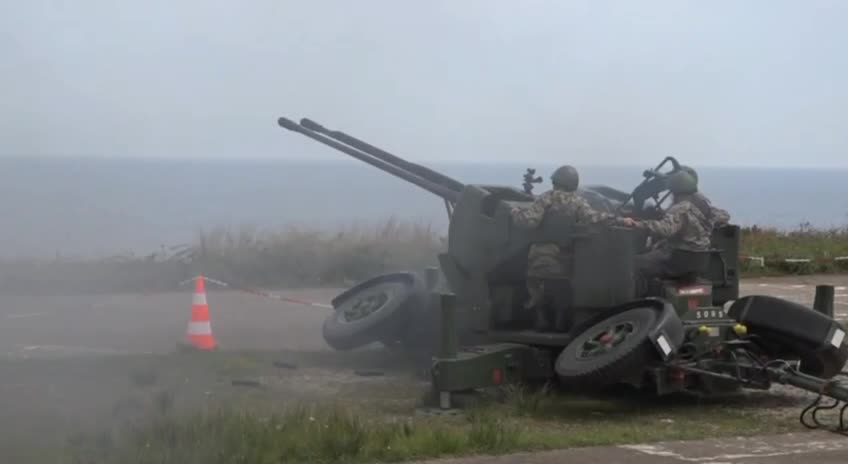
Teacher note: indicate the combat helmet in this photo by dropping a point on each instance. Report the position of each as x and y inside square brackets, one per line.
[691, 171]
[565, 178]
[682, 182]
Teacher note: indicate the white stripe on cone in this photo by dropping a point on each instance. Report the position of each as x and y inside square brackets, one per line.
[198, 299]
[199, 328]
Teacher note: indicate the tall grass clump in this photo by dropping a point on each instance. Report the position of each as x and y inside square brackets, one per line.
[324, 434]
[296, 256]
[301, 256]
[338, 434]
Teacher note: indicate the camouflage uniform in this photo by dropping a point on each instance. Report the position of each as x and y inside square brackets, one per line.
[720, 216]
[687, 225]
[547, 261]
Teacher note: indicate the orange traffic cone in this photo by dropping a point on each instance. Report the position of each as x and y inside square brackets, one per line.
[199, 331]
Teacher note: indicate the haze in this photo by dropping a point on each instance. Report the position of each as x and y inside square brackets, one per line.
[757, 83]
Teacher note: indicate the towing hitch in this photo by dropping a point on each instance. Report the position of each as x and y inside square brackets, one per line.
[835, 389]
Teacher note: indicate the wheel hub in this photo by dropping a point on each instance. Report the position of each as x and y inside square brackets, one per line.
[606, 339]
[365, 306]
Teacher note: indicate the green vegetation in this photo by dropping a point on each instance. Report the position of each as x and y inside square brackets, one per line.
[775, 246]
[296, 256]
[304, 257]
[184, 408]
[339, 433]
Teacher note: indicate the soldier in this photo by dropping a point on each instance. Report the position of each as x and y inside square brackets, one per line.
[546, 260]
[687, 225]
[720, 216]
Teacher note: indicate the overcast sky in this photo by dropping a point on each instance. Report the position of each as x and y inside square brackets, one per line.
[592, 82]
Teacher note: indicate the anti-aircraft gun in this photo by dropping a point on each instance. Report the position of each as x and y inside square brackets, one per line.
[690, 332]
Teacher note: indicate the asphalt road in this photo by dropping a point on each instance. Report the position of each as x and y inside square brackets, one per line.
[154, 323]
[806, 448]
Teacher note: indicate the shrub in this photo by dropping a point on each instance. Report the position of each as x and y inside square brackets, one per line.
[299, 256]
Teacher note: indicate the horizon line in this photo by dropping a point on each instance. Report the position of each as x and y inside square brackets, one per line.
[431, 160]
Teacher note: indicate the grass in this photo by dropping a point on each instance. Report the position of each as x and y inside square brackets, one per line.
[301, 257]
[183, 409]
[337, 433]
[304, 257]
[820, 246]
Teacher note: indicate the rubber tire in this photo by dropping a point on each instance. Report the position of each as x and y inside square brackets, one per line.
[628, 360]
[784, 336]
[820, 363]
[378, 326]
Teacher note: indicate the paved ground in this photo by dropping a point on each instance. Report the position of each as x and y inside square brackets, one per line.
[38, 325]
[69, 325]
[806, 448]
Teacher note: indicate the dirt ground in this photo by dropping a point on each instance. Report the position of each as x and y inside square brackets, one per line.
[58, 369]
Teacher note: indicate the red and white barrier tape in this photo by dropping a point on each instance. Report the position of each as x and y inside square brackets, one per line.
[269, 295]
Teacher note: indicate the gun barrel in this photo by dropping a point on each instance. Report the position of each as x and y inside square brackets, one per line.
[383, 155]
[451, 195]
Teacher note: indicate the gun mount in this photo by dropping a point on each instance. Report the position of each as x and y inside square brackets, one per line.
[680, 336]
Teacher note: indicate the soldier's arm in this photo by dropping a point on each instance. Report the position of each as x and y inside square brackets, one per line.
[666, 227]
[720, 216]
[591, 215]
[532, 215]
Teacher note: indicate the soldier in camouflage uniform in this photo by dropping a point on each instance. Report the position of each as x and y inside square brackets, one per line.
[546, 261]
[687, 225]
[720, 217]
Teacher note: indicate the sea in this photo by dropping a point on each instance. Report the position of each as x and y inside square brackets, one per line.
[99, 207]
